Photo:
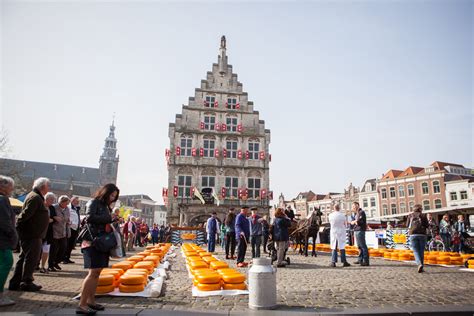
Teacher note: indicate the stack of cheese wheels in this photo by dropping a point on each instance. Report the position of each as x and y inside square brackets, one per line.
[116, 273]
[394, 255]
[456, 260]
[209, 259]
[106, 284]
[136, 258]
[431, 258]
[155, 259]
[207, 280]
[404, 256]
[232, 279]
[124, 265]
[148, 265]
[133, 281]
[374, 253]
[466, 257]
[444, 258]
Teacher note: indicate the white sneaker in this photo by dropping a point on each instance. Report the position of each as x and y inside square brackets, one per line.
[6, 301]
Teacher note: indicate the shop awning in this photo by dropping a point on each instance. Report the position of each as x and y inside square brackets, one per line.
[450, 209]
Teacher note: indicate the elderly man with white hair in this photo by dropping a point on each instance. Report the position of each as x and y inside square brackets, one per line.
[8, 235]
[32, 224]
[60, 233]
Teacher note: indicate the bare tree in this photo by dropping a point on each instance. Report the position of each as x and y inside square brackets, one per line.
[4, 148]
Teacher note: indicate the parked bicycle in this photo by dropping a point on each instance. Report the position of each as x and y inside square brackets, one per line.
[435, 244]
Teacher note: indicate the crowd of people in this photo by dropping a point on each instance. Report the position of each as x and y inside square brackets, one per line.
[48, 228]
[238, 231]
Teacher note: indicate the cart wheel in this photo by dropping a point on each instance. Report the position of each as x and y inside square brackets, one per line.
[288, 260]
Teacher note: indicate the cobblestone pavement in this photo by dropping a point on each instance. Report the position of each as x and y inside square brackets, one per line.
[307, 284]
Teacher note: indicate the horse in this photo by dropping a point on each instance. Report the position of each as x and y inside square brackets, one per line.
[307, 228]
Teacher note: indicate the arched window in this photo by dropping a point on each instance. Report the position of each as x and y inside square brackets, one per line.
[426, 205]
[393, 208]
[401, 191]
[384, 209]
[403, 208]
[437, 203]
[392, 192]
[436, 187]
[424, 188]
[411, 190]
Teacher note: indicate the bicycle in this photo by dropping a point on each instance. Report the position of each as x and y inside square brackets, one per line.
[435, 244]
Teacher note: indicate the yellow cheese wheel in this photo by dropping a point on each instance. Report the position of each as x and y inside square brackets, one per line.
[209, 259]
[144, 253]
[106, 279]
[234, 286]
[470, 262]
[144, 265]
[208, 287]
[124, 265]
[387, 255]
[138, 270]
[233, 278]
[208, 278]
[115, 274]
[153, 263]
[102, 289]
[135, 258]
[203, 271]
[198, 264]
[131, 288]
[132, 279]
[152, 258]
[216, 265]
[205, 254]
[112, 269]
[143, 274]
[227, 271]
[471, 266]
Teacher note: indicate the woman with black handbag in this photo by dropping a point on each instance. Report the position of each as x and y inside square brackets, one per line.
[95, 244]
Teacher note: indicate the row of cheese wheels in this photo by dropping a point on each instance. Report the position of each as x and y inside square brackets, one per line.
[209, 273]
[131, 275]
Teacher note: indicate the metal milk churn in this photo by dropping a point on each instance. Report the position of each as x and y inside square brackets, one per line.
[262, 284]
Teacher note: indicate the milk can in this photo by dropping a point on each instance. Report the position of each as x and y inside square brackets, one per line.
[262, 284]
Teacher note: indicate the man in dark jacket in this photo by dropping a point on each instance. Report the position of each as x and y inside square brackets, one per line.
[242, 234]
[360, 226]
[280, 235]
[32, 225]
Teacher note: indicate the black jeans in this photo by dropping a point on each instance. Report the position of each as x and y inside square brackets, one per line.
[241, 250]
[71, 243]
[56, 251]
[29, 257]
[363, 250]
[230, 243]
[265, 241]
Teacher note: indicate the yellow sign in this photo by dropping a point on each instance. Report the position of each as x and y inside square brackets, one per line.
[399, 238]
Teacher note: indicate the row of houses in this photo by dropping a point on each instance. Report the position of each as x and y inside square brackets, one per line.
[439, 188]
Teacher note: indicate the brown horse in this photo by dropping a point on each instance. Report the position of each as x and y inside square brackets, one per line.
[308, 228]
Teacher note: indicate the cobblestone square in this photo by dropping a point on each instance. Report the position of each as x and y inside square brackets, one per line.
[308, 284]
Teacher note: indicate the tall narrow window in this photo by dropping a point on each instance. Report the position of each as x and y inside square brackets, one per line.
[392, 192]
[384, 193]
[424, 188]
[254, 186]
[210, 122]
[184, 186]
[463, 195]
[453, 196]
[209, 146]
[437, 203]
[436, 187]
[372, 201]
[403, 208]
[411, 190]
[254, 149]
[231, 147]
[232, 185]
[411, 204]
[393, 208]
[384, 209]
[186, 146]
[401, 191]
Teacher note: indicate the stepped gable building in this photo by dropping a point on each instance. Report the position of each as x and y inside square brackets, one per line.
[66, 179]
[217, 142]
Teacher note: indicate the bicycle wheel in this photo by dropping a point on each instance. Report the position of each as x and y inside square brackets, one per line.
[437, 245]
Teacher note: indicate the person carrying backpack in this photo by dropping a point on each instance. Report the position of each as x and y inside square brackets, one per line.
[417, 225]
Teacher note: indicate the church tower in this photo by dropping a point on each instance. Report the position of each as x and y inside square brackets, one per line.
[108, 163]
[218, 144]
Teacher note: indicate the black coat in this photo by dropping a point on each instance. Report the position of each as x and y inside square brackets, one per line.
[280, 229]
[32, 223]
[8, 234]
[98, 216]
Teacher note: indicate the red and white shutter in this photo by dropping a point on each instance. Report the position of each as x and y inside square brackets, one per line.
[237, 106]
[241, 192]
[178, 151]
[216, 104]
[263, 193]
[262, 155]
[175, 191]
[193, 152]
[201, 152]
[247, 154]
[216, 153]
[239, 154]
[224, 127]
[224, 153]
[223, 192]
[201, 125]
[218, 127]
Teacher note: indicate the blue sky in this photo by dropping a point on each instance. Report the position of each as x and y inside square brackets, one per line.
[349, 89]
